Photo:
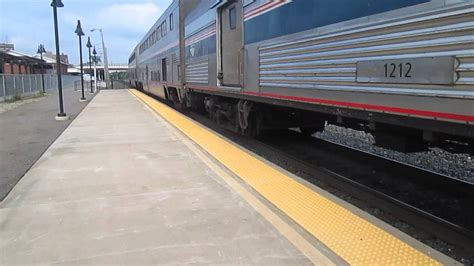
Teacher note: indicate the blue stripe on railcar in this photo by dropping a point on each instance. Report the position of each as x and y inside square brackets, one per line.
[301, 15]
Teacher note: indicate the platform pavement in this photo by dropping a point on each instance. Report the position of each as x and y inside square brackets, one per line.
[27, 131]
[120, 185]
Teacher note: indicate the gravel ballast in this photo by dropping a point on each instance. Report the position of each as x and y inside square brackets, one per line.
[460, 166]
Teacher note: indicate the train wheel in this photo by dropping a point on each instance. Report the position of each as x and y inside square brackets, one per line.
[255, 126]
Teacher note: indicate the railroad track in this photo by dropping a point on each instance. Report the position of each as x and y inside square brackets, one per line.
[434, 208]
[426, 218]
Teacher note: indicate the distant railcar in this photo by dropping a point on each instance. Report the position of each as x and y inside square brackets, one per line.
[400, 69]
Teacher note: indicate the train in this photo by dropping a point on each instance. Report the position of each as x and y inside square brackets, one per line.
[402, 70]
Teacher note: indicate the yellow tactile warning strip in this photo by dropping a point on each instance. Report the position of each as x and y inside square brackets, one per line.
[309, 250]
[351, 237]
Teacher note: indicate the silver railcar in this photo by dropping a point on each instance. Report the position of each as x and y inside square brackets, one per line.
[401, 69]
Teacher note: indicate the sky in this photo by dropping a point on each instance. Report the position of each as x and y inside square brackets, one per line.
[28, 23]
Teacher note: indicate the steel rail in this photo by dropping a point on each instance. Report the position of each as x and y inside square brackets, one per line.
[416, 217]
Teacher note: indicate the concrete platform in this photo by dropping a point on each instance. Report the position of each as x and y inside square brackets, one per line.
[121, 185]
[28, 130]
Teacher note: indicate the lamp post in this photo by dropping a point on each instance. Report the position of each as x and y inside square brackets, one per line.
[61, 115]
[40, 51]
[80, 33]
[106, 63]
[89, 46]
[95, 68]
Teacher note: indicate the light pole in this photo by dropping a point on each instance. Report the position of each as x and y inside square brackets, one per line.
[106, 64]
[95, 68]
[61, 115]
[89, 46]
[40, 51]
[80, 33]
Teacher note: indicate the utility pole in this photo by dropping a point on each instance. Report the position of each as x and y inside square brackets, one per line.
[80, 33]
[61, 115]
[106, 63]
[95, 68]
[40, 51]
[89, 46]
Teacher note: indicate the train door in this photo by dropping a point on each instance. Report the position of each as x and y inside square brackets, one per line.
[230, 43]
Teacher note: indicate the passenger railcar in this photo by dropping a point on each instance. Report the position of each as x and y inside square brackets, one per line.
[400, 69]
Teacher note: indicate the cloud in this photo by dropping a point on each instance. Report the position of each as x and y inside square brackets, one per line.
[124, 23]
[117, 17]
[129, 17]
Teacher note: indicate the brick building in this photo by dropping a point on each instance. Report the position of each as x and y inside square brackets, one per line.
[14, 62]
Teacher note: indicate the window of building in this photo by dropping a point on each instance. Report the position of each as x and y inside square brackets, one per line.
[233, 18]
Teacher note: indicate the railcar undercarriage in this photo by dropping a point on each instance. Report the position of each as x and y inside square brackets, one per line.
[254, 119]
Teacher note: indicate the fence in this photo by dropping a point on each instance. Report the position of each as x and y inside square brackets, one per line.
[113, 84]
[120, 84]
[19, 86]
[87, 85]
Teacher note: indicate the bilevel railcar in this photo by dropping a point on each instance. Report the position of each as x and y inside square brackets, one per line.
[400, 69]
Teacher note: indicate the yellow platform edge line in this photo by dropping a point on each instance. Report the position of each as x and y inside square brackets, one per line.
[316, 256]
[353, 238]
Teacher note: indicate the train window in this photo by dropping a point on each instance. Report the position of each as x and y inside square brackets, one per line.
[248, 2]
[163, 69]
[171, 21]
[233, 18]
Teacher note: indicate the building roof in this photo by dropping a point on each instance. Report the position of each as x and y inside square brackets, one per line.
[48, 60]
[15, 55]
[73, 70]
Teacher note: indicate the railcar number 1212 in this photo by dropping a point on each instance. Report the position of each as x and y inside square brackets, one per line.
[403, 70]
[428, 70]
